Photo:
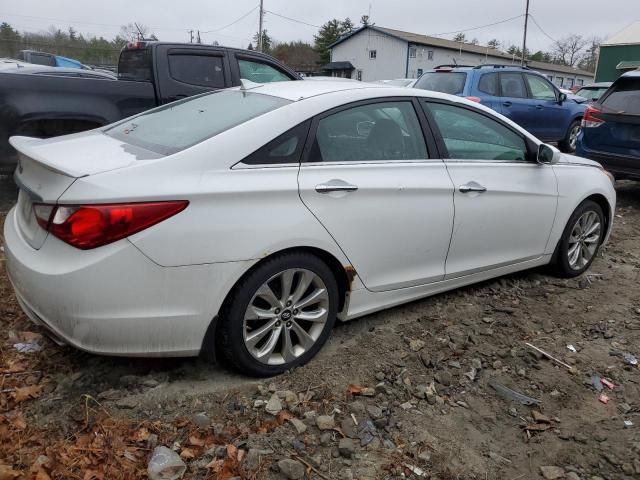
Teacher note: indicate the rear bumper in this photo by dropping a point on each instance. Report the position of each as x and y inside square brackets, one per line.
[627, 166]
[113, 300]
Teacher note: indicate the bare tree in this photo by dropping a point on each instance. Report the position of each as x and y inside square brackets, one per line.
[569, 50]
[135, 31]
[590, 58]
[494, 43]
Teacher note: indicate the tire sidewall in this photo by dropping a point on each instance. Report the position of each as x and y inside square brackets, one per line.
[563, 248]
[566, 142]
[231, 339]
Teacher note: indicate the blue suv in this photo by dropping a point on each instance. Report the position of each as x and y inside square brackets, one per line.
[611, 128]
[518, 93]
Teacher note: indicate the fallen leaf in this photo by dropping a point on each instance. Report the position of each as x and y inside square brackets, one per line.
[214, 465]
[93, 475]
[187, 454]
[25, 393]
[196, 441]
[355, 389]
[232, 452]
[42, 475]
[284, 415]
[141, 435]
[8, 473]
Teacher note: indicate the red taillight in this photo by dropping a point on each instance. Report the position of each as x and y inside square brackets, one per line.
[590, 118]
[91, 226]
[474, 99]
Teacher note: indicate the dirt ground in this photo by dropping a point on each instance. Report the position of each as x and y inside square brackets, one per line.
[404, 393]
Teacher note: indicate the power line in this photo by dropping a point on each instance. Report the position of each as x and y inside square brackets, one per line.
[479, 27]
[232, 23]
[539, 27]
[292, 19]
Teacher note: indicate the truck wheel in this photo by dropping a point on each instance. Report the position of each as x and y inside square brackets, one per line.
[569, 143]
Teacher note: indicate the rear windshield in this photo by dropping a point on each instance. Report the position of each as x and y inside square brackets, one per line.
[180, 125]
[624, 97]
[591, 93]
[135, 65]
[445, 82]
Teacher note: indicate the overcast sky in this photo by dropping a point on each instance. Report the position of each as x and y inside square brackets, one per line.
[171, 19]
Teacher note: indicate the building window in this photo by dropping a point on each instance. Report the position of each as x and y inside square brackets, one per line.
[412, 52]
[570, 82]
[580, 82]
[420, 72]
[359, 75]
[430, 55]
[373, 54]
[559, 81]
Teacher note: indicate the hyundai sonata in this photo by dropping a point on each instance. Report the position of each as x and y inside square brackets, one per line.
[246, 221]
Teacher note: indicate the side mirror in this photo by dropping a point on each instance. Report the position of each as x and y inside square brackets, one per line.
[562, 97]
[547, 155]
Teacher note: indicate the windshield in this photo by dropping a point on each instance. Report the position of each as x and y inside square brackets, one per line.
[591, 93]
[445, 82]
[180, 125]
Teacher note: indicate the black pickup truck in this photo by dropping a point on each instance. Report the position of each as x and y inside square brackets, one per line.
[149, 74]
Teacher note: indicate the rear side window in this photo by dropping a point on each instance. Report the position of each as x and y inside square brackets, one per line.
[135, 65]
[470, 135]
[201, 70]
[182, 124]
[445, 82]
[39, 59]
[261, 72]
[512, 85]
[624, 97]
[489, 84]
[287, 148]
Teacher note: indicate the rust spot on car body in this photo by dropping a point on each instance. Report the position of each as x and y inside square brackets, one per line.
[351, 274]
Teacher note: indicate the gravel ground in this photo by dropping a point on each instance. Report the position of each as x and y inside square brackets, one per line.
[405, 393]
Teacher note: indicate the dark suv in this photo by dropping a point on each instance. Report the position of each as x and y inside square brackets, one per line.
[611, 128]
[519, 93]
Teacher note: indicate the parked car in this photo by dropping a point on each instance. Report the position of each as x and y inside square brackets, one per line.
[49, 59]
[399, 82]
[10, 63]
[180, 230]
[150, 74]
[520, 94]
[611, 128]
[61, 72]
[593, 91]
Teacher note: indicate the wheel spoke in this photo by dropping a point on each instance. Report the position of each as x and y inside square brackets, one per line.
[595, 227]
[267, 294]
[573, 258]
[265, 352]
[306, 278]
[573, 249]
[286, 280]
[254, 337]
[287, 346]
[255, 313]
[306, 341]
[319, 315]
[314, 297]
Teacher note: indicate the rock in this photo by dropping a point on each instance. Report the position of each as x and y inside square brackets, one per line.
[165, 464]
[325, 422]
[627, 468]
[110, 394]
[150, 383]
[406, 406]
[346, 447]
[127, 403]
[348, 427]
[572, 476]
[299, 425]
[291, 469]
[443, 378]
[252, 460]
[357, 407]
[415, 344]
[368, 392]
[298, 445]
[499, 458]
[259, 403]
[580, 438]
[552, 472]
[201, 420]
[636, 465]
[476, 363]
[274, 405]
[455, 364]
[374, 411]
[539, 417]
[380, 376]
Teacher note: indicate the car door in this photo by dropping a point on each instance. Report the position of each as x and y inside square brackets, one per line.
[514, 102]
[190, 71]
[369, 179]
[548, 115]
[505, 203]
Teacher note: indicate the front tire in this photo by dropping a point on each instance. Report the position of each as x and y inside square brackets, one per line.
[569, 143]
[278, 316]
[580, 240]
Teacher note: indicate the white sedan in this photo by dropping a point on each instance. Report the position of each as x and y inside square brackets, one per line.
[245, 222]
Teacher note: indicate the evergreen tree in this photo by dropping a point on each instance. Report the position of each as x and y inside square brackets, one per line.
[329, 33]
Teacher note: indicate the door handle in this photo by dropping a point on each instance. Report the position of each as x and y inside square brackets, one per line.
[507, 104]
[539, 107]
[472, 187]
[328, 188]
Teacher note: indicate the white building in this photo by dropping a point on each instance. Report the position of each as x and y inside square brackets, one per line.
[375, 53]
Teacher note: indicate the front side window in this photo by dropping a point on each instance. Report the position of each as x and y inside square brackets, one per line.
[375, 132]
[285, 149]
[180, 125]
[260, 72]
[489, 84]
[201, 70]
[540, 88]
[512, 85]
[470, 135]
[445, 82]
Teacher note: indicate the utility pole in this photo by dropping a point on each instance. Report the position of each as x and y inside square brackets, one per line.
[199, 37]
[524, 39]
[260, 26]
[190, 36]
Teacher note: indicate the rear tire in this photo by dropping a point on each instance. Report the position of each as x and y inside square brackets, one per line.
[580, 241]
[569, 142]
[278, 316]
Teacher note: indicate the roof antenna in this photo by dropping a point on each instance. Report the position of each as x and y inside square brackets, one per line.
[248, 85]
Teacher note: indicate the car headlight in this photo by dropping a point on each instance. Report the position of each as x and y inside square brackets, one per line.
[610, 175]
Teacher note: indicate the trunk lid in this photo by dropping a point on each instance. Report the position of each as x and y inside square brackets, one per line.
[48, 167]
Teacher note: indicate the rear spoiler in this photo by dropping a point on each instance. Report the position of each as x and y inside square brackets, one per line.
[26, 146]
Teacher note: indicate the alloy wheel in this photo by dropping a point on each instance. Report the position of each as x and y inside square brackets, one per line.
[286, 316]
[584, 240]
[573, 136]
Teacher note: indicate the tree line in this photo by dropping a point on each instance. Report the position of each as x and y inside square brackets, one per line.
[572, 50]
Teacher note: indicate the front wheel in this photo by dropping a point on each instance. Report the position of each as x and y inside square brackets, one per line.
[580, 240]
[278, 316]
[570, 141]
